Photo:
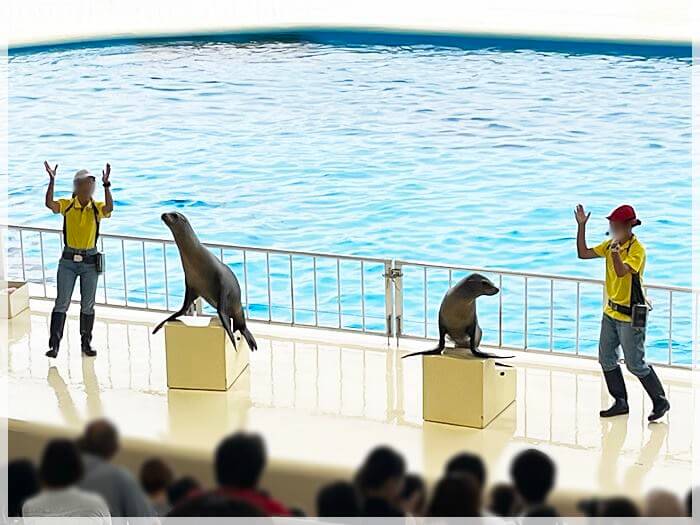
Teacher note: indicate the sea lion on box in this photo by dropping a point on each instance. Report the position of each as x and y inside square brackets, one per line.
[207, 277]
[457, 317]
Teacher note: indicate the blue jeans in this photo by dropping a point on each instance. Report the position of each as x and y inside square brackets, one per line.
[613, 334]
[68, 272]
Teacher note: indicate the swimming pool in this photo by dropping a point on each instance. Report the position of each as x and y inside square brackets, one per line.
[471, 156]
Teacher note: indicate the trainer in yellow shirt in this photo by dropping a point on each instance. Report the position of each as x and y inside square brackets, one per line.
[625, 258]
[80, 259]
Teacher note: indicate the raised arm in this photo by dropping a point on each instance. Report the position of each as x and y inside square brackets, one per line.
[109, 204]
[584, 252]
[51, 204]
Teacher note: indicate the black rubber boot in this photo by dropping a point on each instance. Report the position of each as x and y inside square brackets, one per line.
[617, 389]
[86, 323]
[655, 389]
[58, 321]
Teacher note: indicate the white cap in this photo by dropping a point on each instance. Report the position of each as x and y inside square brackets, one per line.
[81, 175]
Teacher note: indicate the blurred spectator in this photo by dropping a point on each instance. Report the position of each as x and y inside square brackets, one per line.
[240, 462]
[22, 484]
[533, 474]
[661, 503]
[380, 482]
[618, 507]
[468, 463]
[119, 488]
[213, 505]
[413, 495]
[504, 501]
[156, 476]
[337, 500]
[456, 495]
[60, 470]
[181, 489]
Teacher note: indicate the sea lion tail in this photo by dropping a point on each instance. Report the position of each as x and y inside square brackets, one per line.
[486, 355]
[252, 344]
[434, 351]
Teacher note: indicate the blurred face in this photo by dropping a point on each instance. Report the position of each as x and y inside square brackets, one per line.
[84, 188]
[619, 231]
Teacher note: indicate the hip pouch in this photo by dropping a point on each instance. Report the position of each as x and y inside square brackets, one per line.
[639, 304]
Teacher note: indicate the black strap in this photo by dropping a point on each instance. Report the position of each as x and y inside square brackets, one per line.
[97, 221]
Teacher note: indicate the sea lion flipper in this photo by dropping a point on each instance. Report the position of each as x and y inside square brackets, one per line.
[190, 296]
[486, 355]
[226, 322]
[434, 351]
[252, 344]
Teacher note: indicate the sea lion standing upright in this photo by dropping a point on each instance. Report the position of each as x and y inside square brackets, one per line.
[207, 277]
[457, 317]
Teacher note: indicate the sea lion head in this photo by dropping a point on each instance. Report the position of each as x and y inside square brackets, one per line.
[481, 285]
[179, 225]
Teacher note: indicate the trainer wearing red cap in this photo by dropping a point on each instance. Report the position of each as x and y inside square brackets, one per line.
[624, 316]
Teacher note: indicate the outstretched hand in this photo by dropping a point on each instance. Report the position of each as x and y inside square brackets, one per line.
[51, 172]
[581, 215]
[105, 173]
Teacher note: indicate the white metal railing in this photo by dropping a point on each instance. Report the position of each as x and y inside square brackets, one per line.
[396, 298]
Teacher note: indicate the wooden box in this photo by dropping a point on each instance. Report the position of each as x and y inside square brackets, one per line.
[465, 390]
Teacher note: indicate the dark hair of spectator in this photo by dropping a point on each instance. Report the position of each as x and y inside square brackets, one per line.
[542, 511]
[213, 505]
[467, 463]
[381, 465]
[533, 474]
[618, 507]
[337, 499]
[504, 501]
[454, 496]
[240, 461]
[155, 476]
[100, 438]
[22, 484]
[181, 489]
[61, 465]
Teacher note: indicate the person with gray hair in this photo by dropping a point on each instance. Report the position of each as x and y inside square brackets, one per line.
[80, 259]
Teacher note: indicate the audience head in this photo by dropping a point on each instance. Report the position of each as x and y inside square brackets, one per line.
[618, 507]
[456, 495]
[240, 461]
[61, 465]
[212, 505]
[382, 474]
[181, 489]
[22, 484]
[156, 476]
[338, 499]
[661, 503]
[100, 438]
[533, 474]
[503, 501]
[413, 495]
[467, 463]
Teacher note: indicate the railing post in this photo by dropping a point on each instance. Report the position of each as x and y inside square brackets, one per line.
[389, 288]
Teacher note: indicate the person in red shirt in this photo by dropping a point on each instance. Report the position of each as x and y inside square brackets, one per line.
[240, 461]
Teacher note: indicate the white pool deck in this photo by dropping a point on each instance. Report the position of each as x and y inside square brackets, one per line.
[36, 22]
[323, 399]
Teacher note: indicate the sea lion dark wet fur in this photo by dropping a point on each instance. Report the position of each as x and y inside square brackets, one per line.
[207, 277]
[457, 317]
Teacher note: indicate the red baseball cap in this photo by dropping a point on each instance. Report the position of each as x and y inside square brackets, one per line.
[624, 213]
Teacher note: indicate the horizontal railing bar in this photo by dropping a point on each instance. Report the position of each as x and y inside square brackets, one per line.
[403, 262]
[277, 251]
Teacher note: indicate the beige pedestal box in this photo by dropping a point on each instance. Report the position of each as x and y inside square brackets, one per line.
[14, 299]
[199, 355]
[465, 390]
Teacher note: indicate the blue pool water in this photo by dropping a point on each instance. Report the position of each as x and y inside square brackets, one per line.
[458, 156]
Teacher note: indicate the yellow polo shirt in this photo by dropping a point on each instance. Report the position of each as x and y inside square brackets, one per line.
[619, 289]
[80, 222]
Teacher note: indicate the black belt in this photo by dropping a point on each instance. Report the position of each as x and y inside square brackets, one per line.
[88, 259]
[626, 310]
